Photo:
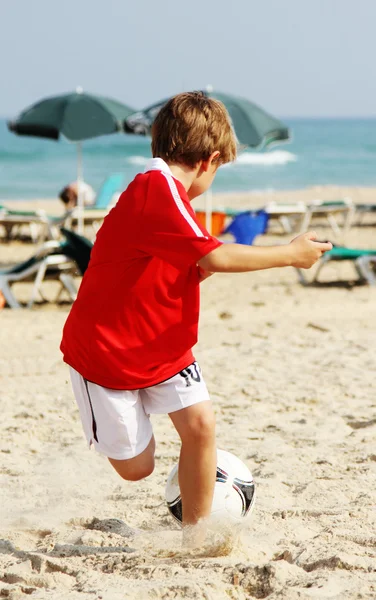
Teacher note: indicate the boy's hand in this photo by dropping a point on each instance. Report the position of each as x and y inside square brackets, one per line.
[305, 251]
[203, 274]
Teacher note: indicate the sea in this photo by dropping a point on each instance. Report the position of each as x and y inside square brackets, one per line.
[321, 152]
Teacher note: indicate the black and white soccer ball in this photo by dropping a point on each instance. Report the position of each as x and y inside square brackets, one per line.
[234, 492]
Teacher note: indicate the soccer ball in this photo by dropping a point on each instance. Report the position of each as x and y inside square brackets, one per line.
[234, 492]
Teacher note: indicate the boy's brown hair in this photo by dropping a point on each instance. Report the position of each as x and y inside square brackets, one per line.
[190, 127]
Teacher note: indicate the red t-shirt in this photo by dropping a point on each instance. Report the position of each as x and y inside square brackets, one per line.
[135, 320]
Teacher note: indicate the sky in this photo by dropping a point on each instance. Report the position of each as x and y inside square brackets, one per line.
[295, 58]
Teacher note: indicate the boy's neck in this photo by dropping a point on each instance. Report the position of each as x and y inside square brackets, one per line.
[185, 174]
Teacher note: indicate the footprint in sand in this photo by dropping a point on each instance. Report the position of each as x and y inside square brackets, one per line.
[112, 526]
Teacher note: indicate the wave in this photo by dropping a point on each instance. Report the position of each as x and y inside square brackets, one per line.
[276, 157]
[137, 160]
[14, 156]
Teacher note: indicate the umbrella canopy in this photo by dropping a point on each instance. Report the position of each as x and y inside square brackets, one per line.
[253, 126]
[78, 116]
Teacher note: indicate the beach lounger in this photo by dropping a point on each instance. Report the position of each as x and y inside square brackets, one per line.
[297, 217]
[367, 267]
[49, 262]
[290, 216]
[330, 211]
[41, 226]
[78, 248]
[54, 260]
[361, 210]
[363, 261]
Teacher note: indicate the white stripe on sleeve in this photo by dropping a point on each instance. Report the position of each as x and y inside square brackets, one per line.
[179, 203]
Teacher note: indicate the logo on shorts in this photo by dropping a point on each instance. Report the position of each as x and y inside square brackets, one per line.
[191, 374]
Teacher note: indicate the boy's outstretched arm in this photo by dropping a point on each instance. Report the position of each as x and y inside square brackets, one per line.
[302, 252]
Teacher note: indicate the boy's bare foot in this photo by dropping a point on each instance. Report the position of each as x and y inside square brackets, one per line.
[210, 539]
[194, 536]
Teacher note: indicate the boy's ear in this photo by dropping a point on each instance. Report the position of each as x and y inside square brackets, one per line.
[213, 158]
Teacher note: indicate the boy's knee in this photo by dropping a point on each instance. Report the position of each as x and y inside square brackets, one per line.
[138, 474]
[131, 472]
[200, 429]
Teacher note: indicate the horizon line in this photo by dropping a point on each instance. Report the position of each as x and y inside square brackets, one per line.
[297, 117]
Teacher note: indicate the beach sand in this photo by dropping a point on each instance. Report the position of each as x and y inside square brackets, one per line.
[291, 371]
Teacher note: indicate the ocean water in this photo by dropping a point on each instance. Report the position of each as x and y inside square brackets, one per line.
[322, 151]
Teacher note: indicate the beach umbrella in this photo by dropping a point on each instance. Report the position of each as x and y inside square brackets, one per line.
[77, 116]
[253, 126]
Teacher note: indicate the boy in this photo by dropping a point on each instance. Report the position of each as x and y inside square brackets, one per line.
[129, 336]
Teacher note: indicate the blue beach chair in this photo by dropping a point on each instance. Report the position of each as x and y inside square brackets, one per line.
[106, 197]
[247, 225]
[109, 188]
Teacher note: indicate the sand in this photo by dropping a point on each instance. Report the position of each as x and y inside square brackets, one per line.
[291, 371]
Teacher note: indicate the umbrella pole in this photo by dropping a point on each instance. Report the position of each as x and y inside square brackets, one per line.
[208, 209]
[80, 200]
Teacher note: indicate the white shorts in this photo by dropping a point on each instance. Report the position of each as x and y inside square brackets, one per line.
[117, 422]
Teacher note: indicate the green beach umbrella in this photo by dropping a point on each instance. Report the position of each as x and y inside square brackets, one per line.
[253, 126]
[77, 116]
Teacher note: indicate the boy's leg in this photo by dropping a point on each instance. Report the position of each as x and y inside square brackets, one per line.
[198, 460]
[139, 467]
[115, 422]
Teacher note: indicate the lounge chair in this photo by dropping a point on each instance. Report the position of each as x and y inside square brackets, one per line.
[290, 216]
[78, 248]
[330, 210]
[362, 210]
[41, 225]
[367, 267]
[361, 259]
[298, 216]
[59, 261]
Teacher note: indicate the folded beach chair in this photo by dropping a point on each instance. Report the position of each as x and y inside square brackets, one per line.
[247, 225]
[59, 261]
[106, 198]
[361, 259]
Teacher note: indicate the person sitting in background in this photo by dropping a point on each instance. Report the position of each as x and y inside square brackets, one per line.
[69, 194]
